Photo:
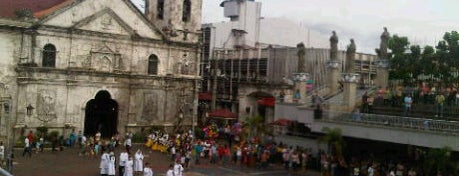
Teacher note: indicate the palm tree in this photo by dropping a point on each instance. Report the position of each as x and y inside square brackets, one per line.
[255, 127]
[334, 140]
[439, 160]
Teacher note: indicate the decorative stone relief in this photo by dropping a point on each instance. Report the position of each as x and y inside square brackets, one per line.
[150, 107]
[106, 22]
[46, 105]
[104, 59]
[186, 65]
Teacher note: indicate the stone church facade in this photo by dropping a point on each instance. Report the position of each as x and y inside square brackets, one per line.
[94, 64]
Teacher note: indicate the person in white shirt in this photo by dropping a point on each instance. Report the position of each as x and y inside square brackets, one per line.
[138, 162]
[124, 156]
[128, 144]
[27, 147]
[178, 169]
[147, 170]
[170, 171]
[104, 163]
[83, 147]
[2, 154]
[112, 165]
[128, 167]
[371, 171]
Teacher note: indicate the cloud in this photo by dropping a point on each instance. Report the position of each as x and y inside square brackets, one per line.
[423, 21]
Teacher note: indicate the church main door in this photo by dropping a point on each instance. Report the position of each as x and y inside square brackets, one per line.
[101, 114]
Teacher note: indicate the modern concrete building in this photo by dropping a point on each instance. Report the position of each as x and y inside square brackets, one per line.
[98, 65]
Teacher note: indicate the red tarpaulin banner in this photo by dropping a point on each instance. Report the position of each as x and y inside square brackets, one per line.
[270, 101]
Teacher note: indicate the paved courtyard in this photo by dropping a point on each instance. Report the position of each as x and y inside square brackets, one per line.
[69, 163]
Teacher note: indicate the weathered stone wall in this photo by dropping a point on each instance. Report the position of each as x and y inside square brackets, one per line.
[100, 45]
[173, 18]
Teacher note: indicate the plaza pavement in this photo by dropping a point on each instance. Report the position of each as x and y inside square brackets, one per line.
[69, 163]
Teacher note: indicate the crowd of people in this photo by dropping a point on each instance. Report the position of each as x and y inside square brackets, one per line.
[441, 98]
[184, 149]
[225, 148]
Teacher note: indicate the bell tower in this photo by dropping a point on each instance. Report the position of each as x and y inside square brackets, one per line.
[180, 20]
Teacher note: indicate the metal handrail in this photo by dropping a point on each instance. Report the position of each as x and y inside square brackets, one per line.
[396, 121]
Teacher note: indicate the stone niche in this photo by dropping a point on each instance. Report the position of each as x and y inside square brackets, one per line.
[104, 59]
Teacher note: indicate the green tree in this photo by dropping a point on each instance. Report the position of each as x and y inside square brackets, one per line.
[399, 59]
[439, 160]
[334, 139]
[448, 57]
[255, 127]
[414, 61]
[428, 63]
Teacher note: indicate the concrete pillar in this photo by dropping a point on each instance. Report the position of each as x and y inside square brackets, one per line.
[334, 75]
[349, 81]
[382, 73]
[349, 94]
[302, 87]
[382, 77]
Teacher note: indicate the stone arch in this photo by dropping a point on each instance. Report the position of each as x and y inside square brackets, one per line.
[101, 114]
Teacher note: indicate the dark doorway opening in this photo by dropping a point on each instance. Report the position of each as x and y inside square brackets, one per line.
[101, 114]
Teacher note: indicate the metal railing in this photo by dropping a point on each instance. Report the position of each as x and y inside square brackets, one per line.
[451, 127]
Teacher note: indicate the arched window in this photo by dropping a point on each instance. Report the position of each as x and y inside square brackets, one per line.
[49, 56]
[153, 65]
[186, 15]
[160, 10]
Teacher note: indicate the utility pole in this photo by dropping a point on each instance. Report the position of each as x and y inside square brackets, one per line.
[214, 85]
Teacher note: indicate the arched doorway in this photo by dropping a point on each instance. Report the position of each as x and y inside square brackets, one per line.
[101, 114]
[262, 104]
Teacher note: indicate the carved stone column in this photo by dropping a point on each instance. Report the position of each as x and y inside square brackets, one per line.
[333, 75]
[382, 73]
[349, 81]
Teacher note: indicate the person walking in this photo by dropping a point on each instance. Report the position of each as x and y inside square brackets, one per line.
[128, 167]
[170, 171]
[178, 169]
[83, 147]
[112, 165]
[27, 147]
[72, 138]
[138, 162]
[104, 163]
[128, 144]
[147, 170]
[2, 154]
[124, 157]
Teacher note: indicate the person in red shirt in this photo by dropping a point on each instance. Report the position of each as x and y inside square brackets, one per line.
[221, 152]
[31, 138]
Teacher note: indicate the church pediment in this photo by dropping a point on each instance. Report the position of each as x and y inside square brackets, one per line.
[104, 16]
[105, 21]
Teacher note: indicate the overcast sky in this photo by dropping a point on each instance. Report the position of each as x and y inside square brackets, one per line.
[423, 21]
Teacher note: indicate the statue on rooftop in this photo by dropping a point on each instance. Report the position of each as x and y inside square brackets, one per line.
[334, 46]
[301, 60]
[350, 57]
[383, 46]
